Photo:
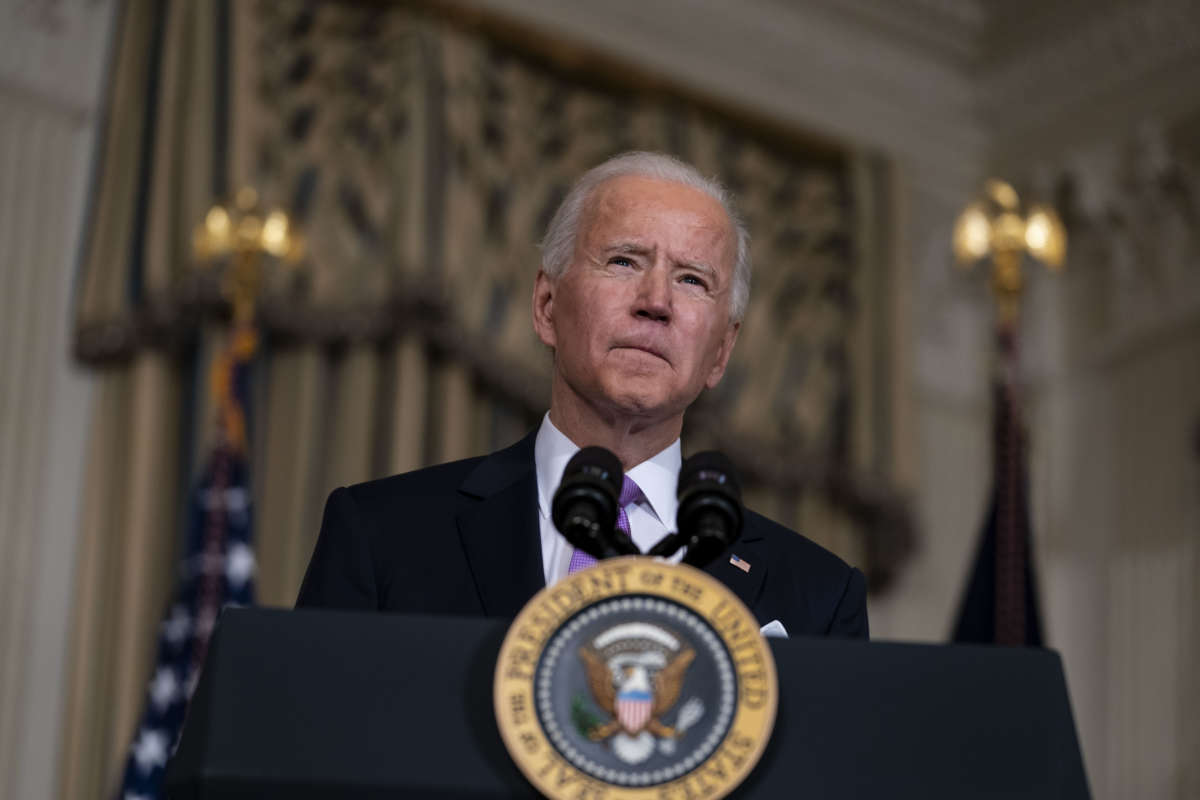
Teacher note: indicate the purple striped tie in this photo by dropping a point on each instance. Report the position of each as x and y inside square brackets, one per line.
[630, 493]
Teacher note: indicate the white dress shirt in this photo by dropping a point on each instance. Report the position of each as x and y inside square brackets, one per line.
[649, 520]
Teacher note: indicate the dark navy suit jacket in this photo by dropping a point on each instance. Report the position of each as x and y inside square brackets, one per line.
[464, 538]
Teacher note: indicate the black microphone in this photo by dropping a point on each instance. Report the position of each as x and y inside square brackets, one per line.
[710, 507]
[585, 505]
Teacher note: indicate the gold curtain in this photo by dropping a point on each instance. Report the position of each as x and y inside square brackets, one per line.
[146, 194]
[423, 159]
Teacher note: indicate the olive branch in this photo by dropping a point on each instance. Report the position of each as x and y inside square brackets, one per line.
[582, 716]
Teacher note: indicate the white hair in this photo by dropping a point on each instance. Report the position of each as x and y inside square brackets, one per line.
[558, 247]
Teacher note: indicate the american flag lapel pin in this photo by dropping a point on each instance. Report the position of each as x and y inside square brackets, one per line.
[740, 563]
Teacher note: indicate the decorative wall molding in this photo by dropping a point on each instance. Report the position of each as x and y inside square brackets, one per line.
[953, 30]
[807, 65]
[1119, 330]
[44, 419]
[15, 93]
[52, 56]
[1132, 208]
[1074, 67]
[55, 51]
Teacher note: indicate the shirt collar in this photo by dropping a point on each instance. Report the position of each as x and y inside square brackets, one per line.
[657, 476]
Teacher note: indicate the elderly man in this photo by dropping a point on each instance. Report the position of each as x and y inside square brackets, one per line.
[645, 278]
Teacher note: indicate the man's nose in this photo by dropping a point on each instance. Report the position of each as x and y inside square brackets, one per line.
[654, 295]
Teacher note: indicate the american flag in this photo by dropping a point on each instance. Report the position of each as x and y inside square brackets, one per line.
[1000, 605]
[217, 569]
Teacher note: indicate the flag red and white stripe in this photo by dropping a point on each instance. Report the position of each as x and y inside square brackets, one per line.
[633, 710]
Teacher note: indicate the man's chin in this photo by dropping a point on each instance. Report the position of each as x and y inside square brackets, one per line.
[628, 394]
[629, 400]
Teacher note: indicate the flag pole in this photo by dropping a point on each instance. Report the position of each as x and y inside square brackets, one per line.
[218, 564]
[1000, 602]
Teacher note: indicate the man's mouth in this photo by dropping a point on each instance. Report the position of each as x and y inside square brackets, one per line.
[642, 348]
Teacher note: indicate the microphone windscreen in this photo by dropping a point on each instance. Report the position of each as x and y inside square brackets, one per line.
[599, 464]
[709, 467]
[584, 508]
[710, 514]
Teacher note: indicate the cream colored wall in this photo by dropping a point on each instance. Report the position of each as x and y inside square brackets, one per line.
[50, 63]
[1118, 512]
[1115, 400]
[948, 316]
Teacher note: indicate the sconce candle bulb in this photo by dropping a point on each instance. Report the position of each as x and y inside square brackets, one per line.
[242, 233]
[995, 226]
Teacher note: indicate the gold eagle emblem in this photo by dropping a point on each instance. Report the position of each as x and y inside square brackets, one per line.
[634, 680]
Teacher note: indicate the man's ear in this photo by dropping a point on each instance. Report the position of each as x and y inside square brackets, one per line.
[543, 309]
[725, 350]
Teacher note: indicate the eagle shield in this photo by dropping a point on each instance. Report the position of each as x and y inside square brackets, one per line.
[633, 709]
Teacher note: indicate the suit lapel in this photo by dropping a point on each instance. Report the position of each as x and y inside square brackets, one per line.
[747, 585]
[498, 524]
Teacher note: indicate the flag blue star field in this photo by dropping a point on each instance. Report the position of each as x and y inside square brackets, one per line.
[217, 569]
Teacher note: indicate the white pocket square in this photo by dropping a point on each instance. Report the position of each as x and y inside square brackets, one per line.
[775, 629]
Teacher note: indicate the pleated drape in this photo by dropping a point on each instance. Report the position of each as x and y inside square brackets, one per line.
[154, 176]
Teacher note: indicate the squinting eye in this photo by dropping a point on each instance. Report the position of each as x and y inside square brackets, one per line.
[695, 281]
[621, 261]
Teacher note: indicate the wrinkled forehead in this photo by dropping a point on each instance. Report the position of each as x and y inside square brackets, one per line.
[643, 204]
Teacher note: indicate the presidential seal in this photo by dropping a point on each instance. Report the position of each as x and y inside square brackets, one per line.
[635, 679]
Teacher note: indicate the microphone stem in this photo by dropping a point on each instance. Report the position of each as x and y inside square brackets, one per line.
[667, 546]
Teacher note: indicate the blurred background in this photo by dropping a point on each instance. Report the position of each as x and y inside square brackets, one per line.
[880, 400]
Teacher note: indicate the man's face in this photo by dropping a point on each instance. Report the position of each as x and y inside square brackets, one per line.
[640, 321]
